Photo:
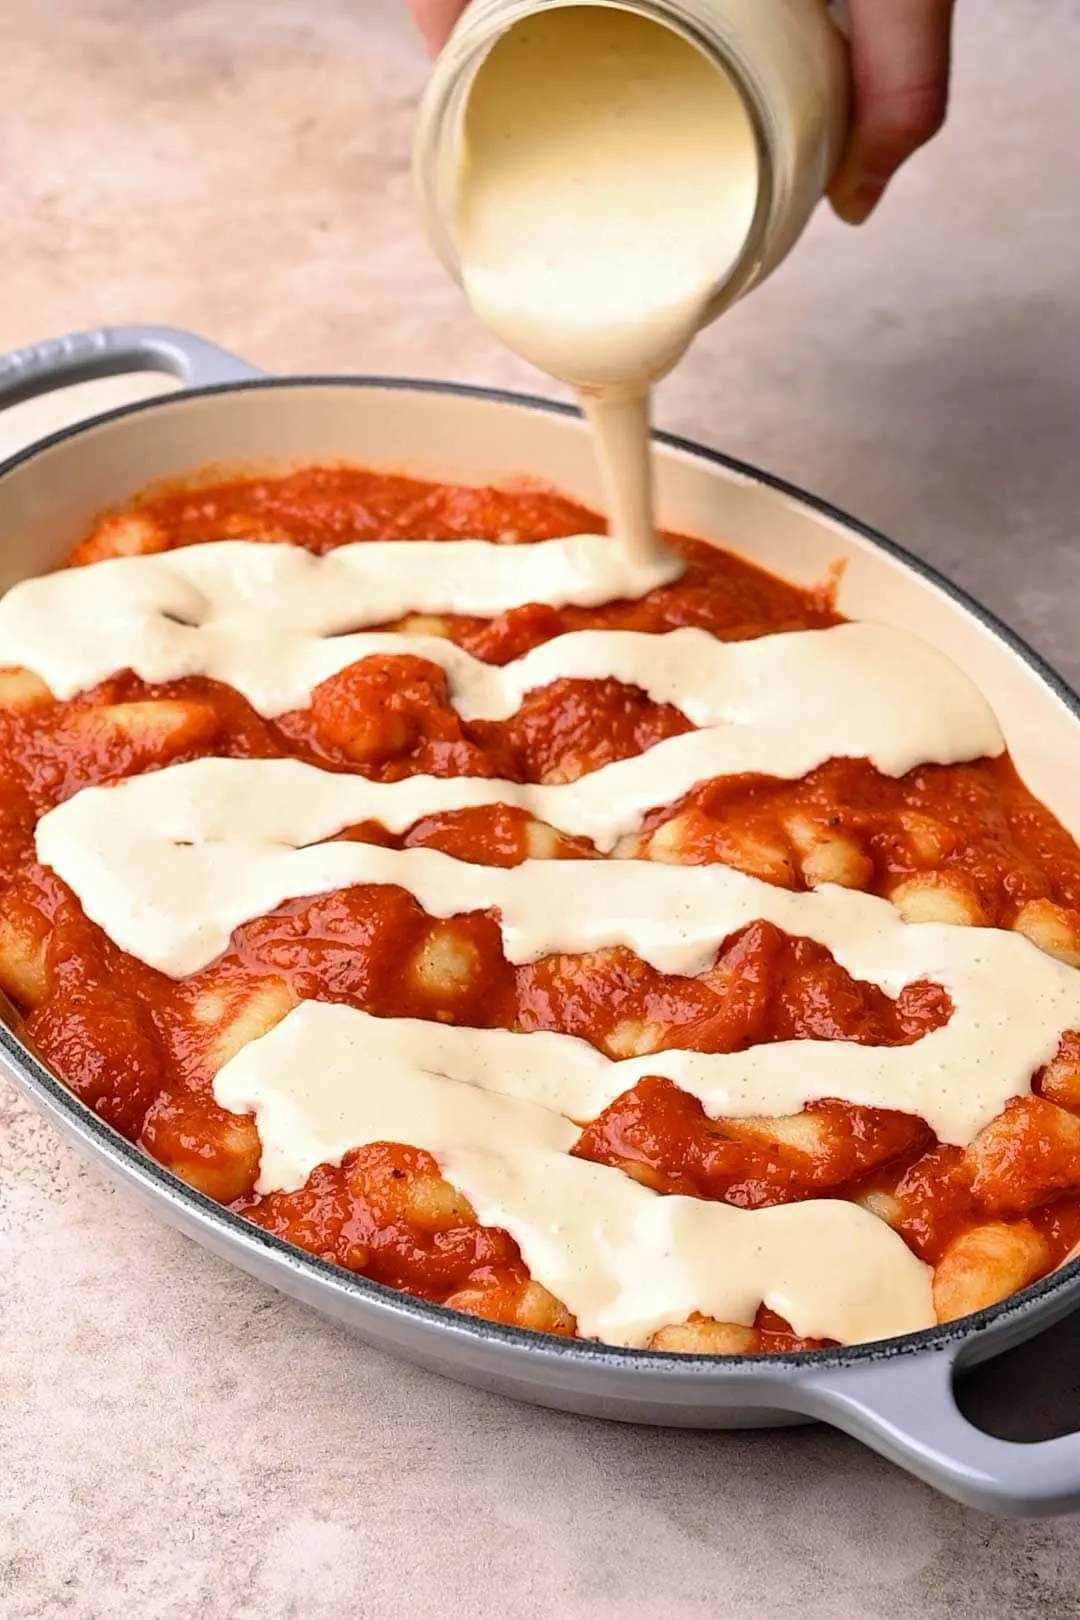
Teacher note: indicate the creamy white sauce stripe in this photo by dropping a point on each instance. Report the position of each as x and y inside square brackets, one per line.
[849, 714]
[779, 705]
[170, 863]
[267, 620]
[256, 615]
[625, 1260]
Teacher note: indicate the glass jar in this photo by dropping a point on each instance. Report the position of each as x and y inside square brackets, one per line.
[786, 58]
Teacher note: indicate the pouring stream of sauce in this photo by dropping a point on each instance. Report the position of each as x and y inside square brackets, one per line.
[607, 186]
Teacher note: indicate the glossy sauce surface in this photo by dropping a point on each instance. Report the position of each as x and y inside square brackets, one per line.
[147, 1060]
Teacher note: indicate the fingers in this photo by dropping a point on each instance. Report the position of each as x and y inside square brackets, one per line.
[900, 67]
[435, 18]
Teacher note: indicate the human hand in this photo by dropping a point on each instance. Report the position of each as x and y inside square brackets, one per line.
[900, 53]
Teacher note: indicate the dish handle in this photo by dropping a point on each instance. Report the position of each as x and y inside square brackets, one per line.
[112, 351]
[904, 1407]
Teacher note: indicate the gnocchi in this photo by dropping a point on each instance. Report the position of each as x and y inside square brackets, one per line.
[958, 845]
[987, 1264]
[939, 897]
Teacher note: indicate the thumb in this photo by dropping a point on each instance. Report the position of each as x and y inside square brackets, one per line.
[900, 67]
[435, 19]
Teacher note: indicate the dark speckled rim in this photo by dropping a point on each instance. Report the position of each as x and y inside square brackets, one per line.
[1023, 1313]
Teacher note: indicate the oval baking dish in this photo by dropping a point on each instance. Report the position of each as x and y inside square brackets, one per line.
[897, 1396]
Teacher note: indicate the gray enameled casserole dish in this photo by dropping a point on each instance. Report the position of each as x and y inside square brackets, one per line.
[895, 1396]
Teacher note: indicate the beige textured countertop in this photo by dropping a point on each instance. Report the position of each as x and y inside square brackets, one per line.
[177, 1441]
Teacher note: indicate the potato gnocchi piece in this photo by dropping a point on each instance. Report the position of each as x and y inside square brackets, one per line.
[530, 1305]
[802, 1133]
[705, 1336]
[424, 624]
[987, 1264]
[635, 1037]
[24, 941]
[160, 727]
[1054, 929]
[446, 965]
[671, 842]
[885, 1205]
[257, 1014]
[693, 839]
[226, 1163]
[432, 1203]
[1061, 1077]
[542, 1312]
[928, 840]
[210, 1006]
[252, 525]
[545, 843]
[22, 689]
[123, 534]
[375, 736]
[571, 768]
[630, 847]
[939, 897]
[1032, 1132]
[827, 855]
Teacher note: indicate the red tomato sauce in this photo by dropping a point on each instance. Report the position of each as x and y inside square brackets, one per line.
[142, 1049]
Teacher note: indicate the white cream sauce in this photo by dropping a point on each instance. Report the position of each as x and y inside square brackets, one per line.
[170, 863]
[274, 620]
[625, 1260]
[607, 184]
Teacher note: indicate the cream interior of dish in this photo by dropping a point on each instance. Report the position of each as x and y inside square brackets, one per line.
[170, 862]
